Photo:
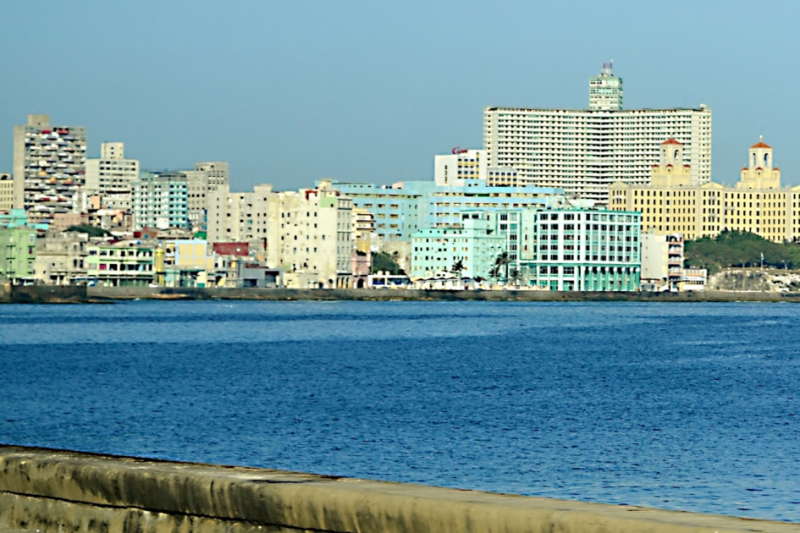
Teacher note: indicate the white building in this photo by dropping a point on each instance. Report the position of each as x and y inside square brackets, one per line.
[584, 150]
[111, 176]
[310, 237]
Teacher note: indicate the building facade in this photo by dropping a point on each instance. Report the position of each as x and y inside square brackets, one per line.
[202, 182]
[61, 258]
[673, 203]
[6, 193]
[123, 264]
[161, 201]
[49, 167]
[584, 150]
[17, 254]
[310, 237]
[238, 216]
[112, 176]
[476, 245]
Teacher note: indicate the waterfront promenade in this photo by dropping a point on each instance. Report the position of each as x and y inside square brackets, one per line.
[54, 490]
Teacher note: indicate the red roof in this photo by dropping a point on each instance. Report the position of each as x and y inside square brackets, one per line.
[670, 141]
[761, 144]
[745, 168]
[240, 249]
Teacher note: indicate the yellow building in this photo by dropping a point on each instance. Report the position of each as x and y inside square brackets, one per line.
[672, 203]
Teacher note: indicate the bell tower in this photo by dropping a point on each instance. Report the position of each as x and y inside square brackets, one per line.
[671, 172]
[760, 172]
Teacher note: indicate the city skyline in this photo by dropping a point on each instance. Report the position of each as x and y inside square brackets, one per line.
[292, 94]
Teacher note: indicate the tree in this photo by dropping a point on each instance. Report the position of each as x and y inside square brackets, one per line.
[502, 262]
[516, 276]
[381, 261]
[93, 231]
[458, 267]
[739, 248]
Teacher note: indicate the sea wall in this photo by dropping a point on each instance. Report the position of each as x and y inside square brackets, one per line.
[127, 293]
[60, 491]
[37, 294]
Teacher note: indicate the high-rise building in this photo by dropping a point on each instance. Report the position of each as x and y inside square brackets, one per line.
[584, 150]
[160, 201]
[112, 175]
[49, 167]
[605, 90]
[202, 182]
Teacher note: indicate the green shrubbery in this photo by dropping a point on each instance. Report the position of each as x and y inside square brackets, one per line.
[740, 248]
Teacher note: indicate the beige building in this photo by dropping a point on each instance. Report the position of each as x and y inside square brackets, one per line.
[6, 193]
[310, 237]
[675, 203]
[112, 176]
[61, 257]
[202, 182]
[238, 216]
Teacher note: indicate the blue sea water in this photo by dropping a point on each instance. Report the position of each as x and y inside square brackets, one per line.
[677, 406]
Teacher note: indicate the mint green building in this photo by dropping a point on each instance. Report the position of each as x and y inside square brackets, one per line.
[586, 250]
[563, 249]
[476, 244]
[17, 248]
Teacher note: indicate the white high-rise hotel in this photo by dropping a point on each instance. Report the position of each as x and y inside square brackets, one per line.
[584, 150]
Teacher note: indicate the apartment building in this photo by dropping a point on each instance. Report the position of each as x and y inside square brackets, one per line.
[476, 244]
[310, 237]
[202, 182]
[160, 201]
[61, 257]
[17, 253]
[122, 264]
[112, 176]
[583, 151]
[404, 208]
[6, 193]
[49, 167]
[673, 203]
[238, 216]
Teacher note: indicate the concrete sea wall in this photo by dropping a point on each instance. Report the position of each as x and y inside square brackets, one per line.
[36, 294]
[61, 491]
[156, 293]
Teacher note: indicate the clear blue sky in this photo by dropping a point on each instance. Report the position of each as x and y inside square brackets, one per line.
[290, 92]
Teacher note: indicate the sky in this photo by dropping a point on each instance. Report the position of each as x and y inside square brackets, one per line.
[291, 92]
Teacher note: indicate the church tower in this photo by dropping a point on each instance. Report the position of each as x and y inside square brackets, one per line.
[671, 172]
[760, 173]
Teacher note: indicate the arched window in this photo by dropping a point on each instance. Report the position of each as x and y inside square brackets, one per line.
[675, 156]
[754, 160]
[766, 160]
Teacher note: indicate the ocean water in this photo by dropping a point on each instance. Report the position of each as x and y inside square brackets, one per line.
[677, 406]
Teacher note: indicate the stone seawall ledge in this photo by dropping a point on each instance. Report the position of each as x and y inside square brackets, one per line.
[162, 293]
[62, 491]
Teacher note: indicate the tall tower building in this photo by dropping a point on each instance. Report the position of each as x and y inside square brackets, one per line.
[584, 150]
[605, 90]
[49, 167]
[112, 176]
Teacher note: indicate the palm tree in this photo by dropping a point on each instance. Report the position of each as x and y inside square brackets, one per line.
[494, 272]
[502, 262]
[516, 276]
[458, 267]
